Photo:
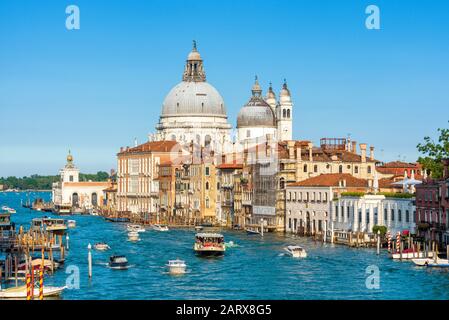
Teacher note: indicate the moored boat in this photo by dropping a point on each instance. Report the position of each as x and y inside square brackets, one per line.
[252, 232]
[21, 292]
[296, 251]
[176, 266]
[422, 261]
[211, 244]
[118, 262]
[71, 223]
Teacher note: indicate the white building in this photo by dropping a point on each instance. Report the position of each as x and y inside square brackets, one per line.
[69, 191]
[260, 117]
[362, 213]
[194, 110]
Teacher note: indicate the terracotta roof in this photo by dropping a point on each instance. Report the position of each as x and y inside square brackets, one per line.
[400, 164]
[154, 146]
[331, 180]
[233, 165]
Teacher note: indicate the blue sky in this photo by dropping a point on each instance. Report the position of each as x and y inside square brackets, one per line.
[95, 89]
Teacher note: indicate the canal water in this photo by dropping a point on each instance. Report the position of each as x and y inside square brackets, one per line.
[256, 269]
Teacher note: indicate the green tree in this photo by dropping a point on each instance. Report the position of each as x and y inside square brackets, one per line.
[382, 229]
[434, 152]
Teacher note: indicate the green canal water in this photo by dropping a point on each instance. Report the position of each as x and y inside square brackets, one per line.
[256, 269]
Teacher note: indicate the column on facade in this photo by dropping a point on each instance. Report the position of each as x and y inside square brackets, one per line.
[355, 217]
[371, 218]
[363, 224]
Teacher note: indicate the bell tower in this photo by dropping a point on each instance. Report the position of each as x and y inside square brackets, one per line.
[284, 114]
[69, 173]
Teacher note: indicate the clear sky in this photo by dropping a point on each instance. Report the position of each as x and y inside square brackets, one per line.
[95, 89]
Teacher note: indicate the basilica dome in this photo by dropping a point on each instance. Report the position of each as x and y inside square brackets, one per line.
[257, 112]
[190, 98]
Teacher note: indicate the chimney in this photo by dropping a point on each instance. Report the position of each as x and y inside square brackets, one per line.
[363, 151]
[291, 149]
[354, 147]
[446, 169]
[371, 153]
[310, 146]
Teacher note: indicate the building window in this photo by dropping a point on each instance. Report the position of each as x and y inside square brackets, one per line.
[399, 215]
[315, 168]
[288, 113]
[207, 171]
[356, 169]
[284, 114]
[207, 202]
[207, 185]
[385, 215]
[369, 169]
[392, 214]
[71, 178]
[340, 169]
[305, 168]
[407, 216]
[248, 133]
[290, 223]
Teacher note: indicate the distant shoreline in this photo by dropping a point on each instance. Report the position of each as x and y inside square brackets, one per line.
[30, 190]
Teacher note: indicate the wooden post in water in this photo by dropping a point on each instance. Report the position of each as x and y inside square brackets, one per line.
[400, 250]
[378, 242]
[67, 241]
[16, 269]
[89, 260]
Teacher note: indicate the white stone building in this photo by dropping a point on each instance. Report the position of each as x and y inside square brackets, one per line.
[70, 192]
[361, 213]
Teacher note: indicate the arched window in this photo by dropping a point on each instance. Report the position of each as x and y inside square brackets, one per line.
[356, 169]
[315, 168]
[282, 183]
[75, 200]
[288, 113]
[284, 114]
[207, 140]
[94, 199]
[369, 169]
[207, 185]
[207, 202]
[340, 169]
[305, 168]
[173, 137]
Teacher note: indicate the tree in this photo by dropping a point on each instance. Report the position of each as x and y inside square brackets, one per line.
[434, 152]
[382, 229]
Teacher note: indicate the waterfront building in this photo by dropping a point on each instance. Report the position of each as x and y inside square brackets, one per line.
[309, 203]
[137, 171]
[432, 207]
[360, 213]
[229, 177]
[194, 111]
[79, 195]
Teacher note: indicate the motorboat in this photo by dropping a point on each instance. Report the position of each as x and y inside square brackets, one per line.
[422, 261]
[176, 266]
[135, 228]
[21, 292]
[252, 232]
[211, 244]
[36, 264]
[71, 224]
[101, 246]
[118, 262]
[437, 262]
[159, 227]
[49, 224]
[199, 228]
[296, 251]
[8, 209]
[133, 236]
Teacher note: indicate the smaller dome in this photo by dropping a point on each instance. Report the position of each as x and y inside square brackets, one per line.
[284, 96]
[194, 54]
[271, 97]
[257, 112]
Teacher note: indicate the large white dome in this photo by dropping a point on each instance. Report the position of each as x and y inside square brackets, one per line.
[189, 98]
